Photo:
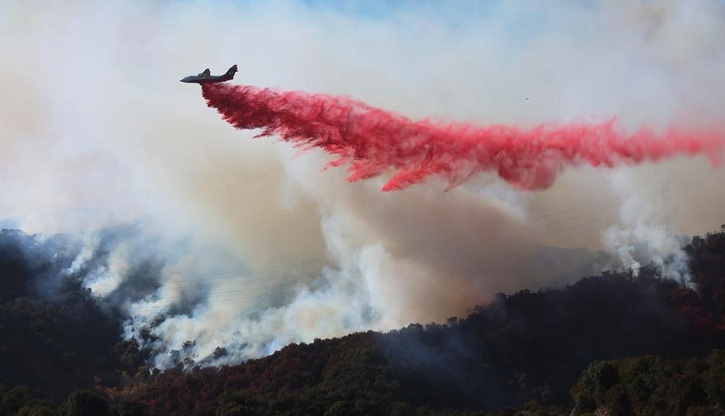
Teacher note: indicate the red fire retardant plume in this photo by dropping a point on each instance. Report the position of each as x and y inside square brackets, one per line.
[373, 141]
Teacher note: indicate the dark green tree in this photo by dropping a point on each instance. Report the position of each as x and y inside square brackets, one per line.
[84, 403]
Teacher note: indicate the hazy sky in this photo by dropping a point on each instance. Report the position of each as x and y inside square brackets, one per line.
[262, 246]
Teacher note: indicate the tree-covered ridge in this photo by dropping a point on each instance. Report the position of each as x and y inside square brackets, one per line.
[707, 265]
[54, 335]
[652, 385]
[529, 347]
[523, 347]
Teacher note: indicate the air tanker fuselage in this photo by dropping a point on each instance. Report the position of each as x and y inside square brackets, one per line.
[207, 78]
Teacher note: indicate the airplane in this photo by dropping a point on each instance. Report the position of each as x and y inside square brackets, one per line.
[207, 78]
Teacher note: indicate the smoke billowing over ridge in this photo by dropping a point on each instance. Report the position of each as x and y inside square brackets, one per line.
[239, 244]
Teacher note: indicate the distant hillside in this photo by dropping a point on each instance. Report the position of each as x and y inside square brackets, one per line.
[522, 351]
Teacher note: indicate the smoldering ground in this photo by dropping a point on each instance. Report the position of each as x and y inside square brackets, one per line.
[249, 246]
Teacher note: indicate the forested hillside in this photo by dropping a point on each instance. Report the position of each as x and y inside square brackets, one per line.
[54, 336]
[651, 385]
[522, 351]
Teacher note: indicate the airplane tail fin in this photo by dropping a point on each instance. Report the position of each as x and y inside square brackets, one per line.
[232, 71]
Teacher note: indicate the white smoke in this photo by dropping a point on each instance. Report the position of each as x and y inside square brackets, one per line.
[644, 234]
[220, 248]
